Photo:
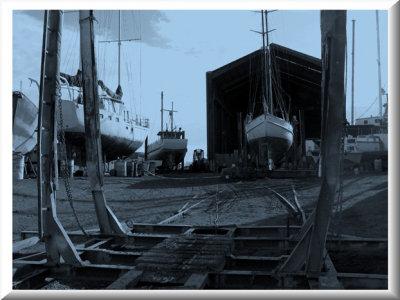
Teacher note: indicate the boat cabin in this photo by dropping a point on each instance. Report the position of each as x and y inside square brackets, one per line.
[172, 134]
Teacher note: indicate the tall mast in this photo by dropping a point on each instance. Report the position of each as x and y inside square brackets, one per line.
[379, 64]
[269, 66]
[119, 42]
[172, 116]
[162, 111]
[264, 63]
[352, 76]
[119, 47]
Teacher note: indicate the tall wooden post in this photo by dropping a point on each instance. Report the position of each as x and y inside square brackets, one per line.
[333, 35]
[108, 223]
[56, 239]
[312, 238]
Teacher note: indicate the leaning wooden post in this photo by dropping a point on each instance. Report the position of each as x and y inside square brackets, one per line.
[312, 236]
[108, 223]
[56, 239]
[333, 38]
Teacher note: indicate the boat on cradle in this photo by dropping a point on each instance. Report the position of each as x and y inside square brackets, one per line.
[122, 131]
[25, 117]
[270, 132]
[171, 147]
[121, 135]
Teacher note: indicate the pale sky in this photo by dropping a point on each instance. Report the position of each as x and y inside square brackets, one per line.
[177, 48]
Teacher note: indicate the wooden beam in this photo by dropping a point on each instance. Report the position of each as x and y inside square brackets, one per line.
[56, 239]
[127, 280]
[311, 246]
[108, 223]
[333, 31]
[196, 281]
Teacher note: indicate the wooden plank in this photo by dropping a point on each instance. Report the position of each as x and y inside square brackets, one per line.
[127, 280]
[19, 245]
[196, 281]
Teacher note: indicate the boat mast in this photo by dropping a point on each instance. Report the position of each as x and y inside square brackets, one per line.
[119, 41]
[352, 75]
[379, 65]
[172, 116]
[264, 62]
[119, 47]
[269, 66]
[162, 111]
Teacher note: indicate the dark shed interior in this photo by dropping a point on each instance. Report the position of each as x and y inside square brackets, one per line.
[232, 88]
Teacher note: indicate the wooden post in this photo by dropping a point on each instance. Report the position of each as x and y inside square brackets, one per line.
[302, 133]
[333, 34]
[56, 239]
[108, 223]
[240, 136]
[311, 246]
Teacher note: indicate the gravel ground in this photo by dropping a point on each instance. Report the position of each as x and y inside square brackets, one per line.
[154, 199]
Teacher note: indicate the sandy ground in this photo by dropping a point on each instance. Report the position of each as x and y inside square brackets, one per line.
[218, 202]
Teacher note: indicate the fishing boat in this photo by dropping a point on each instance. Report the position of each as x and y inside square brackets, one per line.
[171, 147]
[25, 116]
[122, 132]
[269, 132]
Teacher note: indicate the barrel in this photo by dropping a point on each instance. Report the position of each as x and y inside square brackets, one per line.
[18, 166]
[120, 168]
[71, 168]
[378, 165]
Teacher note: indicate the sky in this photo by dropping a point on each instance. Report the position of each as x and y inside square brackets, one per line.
[178, 47]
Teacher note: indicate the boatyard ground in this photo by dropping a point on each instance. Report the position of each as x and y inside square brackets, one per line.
[216, 201]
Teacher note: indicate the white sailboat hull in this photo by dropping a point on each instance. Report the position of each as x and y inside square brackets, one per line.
[119, 137]
[171, 151]
[24, 124]
[271, 131]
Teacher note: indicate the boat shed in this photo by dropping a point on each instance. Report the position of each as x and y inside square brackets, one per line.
[232, 87]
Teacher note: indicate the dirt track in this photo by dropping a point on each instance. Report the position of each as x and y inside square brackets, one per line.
[153, 199]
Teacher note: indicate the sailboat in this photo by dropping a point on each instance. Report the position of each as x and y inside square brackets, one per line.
[122, 133]
[369, 136]
[271, 130]
[171, 148]
[25, 115]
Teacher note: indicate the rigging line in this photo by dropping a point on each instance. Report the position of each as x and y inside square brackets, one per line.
[372, 104]
[70, 51]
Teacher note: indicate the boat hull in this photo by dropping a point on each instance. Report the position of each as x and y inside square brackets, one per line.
[270, 132]
[170, 151]
[25, 118]
[118, 137]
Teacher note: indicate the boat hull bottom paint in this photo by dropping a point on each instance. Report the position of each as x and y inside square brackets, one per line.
[170, 151]
[113, 147]
[270, 135]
